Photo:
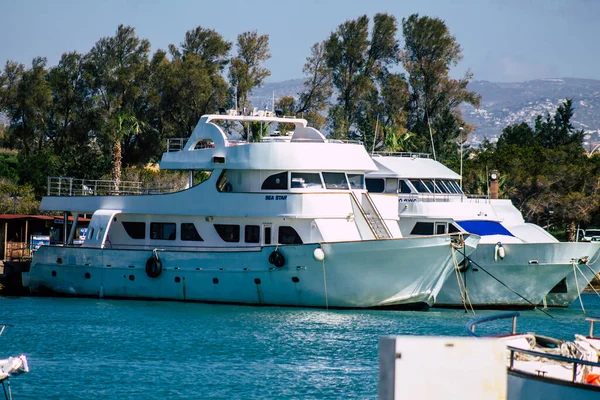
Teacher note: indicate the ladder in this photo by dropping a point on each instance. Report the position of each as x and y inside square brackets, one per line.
[372, 216]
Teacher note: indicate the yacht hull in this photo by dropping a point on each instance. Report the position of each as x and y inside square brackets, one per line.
[401, 273]
[529, 269]
[577, 279]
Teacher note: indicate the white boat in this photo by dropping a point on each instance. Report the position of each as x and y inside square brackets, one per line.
[540, 367]
[10, 367]
[284, 221]
[516, 264]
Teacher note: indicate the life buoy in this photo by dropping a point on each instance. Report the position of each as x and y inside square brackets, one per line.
[464, 265]
[277, 259]
[153, 267]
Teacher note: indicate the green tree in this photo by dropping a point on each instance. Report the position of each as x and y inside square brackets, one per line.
[429, 53]
[356, 62]
[118, 68]
[246, 71]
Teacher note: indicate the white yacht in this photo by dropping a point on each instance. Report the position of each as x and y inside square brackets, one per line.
[516, 264]
[282, 221]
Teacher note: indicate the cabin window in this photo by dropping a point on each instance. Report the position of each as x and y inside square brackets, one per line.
[422, 228]
[135, 230]
[453, 228]
[222, 181]
[357, 181]
[306, 180]
[438, 188]
[375, 185]
[267, 235]
[204, 144]
[420, 186]
[429, 184]
[440, 228]
[163, 230]
[229, 233]
[288, 235]
[443, 187]
[404, 188]
[252, 234]
[276, 182]
[455, 186]
[335, 180]
[190, 233]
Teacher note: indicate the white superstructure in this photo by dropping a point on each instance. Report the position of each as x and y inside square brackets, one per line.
[285, 220]
[515, 264]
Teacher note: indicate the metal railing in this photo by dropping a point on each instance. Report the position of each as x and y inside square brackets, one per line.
[400, 154]
[67, 186]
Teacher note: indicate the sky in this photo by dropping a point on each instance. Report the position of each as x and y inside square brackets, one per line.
[502, 40]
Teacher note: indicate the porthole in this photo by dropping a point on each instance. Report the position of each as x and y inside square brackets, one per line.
[87, 275]
[257, 281]
[295, 279]
[177, 279]
[53, 273]
[131, 277]
[215, 280]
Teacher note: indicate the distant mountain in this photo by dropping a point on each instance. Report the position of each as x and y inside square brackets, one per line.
[502, 104]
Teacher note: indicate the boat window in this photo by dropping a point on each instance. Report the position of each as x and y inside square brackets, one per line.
[403, 187]
[189, 232]
[429, 184]
[455, 186]
[440, 228]
[229, 233]
[453, 228]
[135, 230]
[420, 186]
[267, 235]
[276, 182]
[306, 180]
[335, 180]
[204, 144]
[439, 187]
[252, 234]
[357, 181]
[90, 234]
[163, 230]
[375, 185]
[222, 181]
[288, 235]
[422, 228]
[448, 186]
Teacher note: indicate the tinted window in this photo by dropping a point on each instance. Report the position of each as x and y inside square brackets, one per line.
[440, 229]
[403, 187]
[252, 234]
[229, 233]
[357, 181]
[453, 228]
[135, 230]
[189, 232]
[423, 228]
[276, 181]
[439, 187]
[375, 185]
[267, 235]
[335, 180]
[420, 186]
[288, 235]
[162, 230]
[306, 180]
[429, 184]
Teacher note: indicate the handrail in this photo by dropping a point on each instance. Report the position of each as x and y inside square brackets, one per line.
[68, 186]
[592, 321]
[400, 154]
[470, 326]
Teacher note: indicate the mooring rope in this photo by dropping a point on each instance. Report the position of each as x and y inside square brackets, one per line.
[574, 264]
[590, 281]
[535, 307]
[462, 286]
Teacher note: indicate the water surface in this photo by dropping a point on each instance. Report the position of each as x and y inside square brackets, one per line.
[120, 349]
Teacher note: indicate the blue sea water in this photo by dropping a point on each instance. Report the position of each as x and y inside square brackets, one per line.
[120, 349]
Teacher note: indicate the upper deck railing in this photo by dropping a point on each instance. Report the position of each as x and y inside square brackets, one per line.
[400, 154]
[178, 144]
[67, 186]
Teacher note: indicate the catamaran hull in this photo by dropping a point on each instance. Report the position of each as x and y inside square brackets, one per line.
[402, 273]
[529, 269]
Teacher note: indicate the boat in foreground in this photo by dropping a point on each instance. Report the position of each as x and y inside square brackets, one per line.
[280, 220]
[10, 367]
[515, 265]
[541, 367]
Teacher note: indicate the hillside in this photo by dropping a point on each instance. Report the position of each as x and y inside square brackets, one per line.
[502, 103]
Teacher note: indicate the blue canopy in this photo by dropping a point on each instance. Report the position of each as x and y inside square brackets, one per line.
[484, 228]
